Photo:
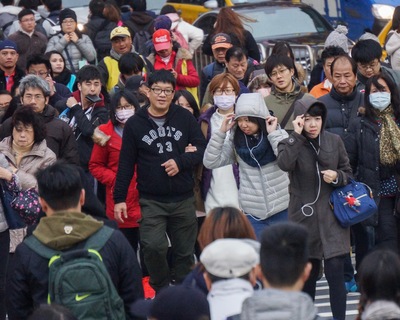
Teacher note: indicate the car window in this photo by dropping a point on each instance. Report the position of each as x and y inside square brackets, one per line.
[283, 22]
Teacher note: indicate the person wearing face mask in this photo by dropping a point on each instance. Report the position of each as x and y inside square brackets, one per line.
[220, 186]
[373, 146]
[103, 163]
[254, 137]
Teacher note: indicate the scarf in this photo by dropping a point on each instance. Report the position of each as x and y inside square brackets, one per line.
[389, 146]
[64, 77]
[255, 152]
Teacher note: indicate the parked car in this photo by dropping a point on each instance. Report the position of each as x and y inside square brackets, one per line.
[299, 24]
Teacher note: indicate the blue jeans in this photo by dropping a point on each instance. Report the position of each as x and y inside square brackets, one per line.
[259, 225]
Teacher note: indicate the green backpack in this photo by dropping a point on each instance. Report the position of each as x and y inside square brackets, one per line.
[79, 280]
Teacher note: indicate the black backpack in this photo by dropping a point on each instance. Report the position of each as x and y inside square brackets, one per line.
[140, 37]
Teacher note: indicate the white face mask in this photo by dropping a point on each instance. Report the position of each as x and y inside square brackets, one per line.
[123, 115]
[224, 102]
[380, 100]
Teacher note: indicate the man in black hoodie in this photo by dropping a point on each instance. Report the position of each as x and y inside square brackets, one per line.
[154, 142]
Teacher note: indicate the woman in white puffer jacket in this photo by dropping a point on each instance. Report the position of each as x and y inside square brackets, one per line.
[263, 191]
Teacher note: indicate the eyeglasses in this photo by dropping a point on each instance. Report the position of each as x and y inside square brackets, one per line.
[71, 21]
[125, 107]
[38, 73]
[158, 91]
[278, 72]
[30, 97]
[366, 66]
[28, 20]
[227, 91]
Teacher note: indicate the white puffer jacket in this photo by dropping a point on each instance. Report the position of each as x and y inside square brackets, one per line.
[263, 191]
[82, 49]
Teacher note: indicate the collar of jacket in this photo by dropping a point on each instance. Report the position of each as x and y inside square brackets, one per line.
[339, 97]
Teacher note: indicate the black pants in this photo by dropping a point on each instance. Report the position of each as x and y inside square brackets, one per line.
[334, 272]
[386, 233]
[4, 249]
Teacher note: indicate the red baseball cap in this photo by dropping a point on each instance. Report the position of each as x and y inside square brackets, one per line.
[162, 39]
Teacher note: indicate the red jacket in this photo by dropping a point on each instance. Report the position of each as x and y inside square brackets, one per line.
[191, 79]
[103, 165]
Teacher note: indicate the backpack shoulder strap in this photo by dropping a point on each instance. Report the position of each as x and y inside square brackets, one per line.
[98, 239]
[38, 247]
[290, 111]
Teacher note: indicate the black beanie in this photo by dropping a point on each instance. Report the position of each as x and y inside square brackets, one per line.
[67, 13]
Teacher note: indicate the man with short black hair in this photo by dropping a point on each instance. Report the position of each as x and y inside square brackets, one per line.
[327, 56]
[10, 73]
[367, 54]
[154, 143]
[284, 270]
[29, 41]
[39, 65]
[84, 111]
[66, 228]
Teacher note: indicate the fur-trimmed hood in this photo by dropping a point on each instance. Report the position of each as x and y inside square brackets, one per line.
[181, 53]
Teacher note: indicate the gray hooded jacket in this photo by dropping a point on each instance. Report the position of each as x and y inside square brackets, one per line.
[279, 305]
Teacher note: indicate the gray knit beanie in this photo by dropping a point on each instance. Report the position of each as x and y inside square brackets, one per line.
[337, 38]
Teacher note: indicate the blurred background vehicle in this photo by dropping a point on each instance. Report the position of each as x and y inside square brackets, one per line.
[299, 24]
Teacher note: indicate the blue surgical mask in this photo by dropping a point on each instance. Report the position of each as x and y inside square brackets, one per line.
[380, 100]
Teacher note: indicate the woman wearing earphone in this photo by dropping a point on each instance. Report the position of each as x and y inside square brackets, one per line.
[317, 162]
[263, 190]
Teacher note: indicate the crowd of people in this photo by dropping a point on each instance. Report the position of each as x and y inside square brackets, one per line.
[126, 144]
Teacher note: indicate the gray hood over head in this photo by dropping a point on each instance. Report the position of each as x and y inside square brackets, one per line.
[251, 105]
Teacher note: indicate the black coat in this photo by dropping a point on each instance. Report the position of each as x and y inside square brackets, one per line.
[341, 110]
[29, 283]
[362, 145]
[19, 74]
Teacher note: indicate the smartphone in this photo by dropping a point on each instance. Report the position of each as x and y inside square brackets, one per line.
[93, 98]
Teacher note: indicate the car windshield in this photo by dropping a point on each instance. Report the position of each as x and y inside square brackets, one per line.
[282, 22]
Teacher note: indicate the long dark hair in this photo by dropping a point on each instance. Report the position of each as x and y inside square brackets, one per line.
[116, 98]
[394, 94]
[190, 99]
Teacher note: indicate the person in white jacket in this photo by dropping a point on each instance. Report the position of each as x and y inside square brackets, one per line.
[263, 191]
[193, 35]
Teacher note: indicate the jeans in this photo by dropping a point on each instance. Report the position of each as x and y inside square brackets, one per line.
[178, 221]
[259, 225]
